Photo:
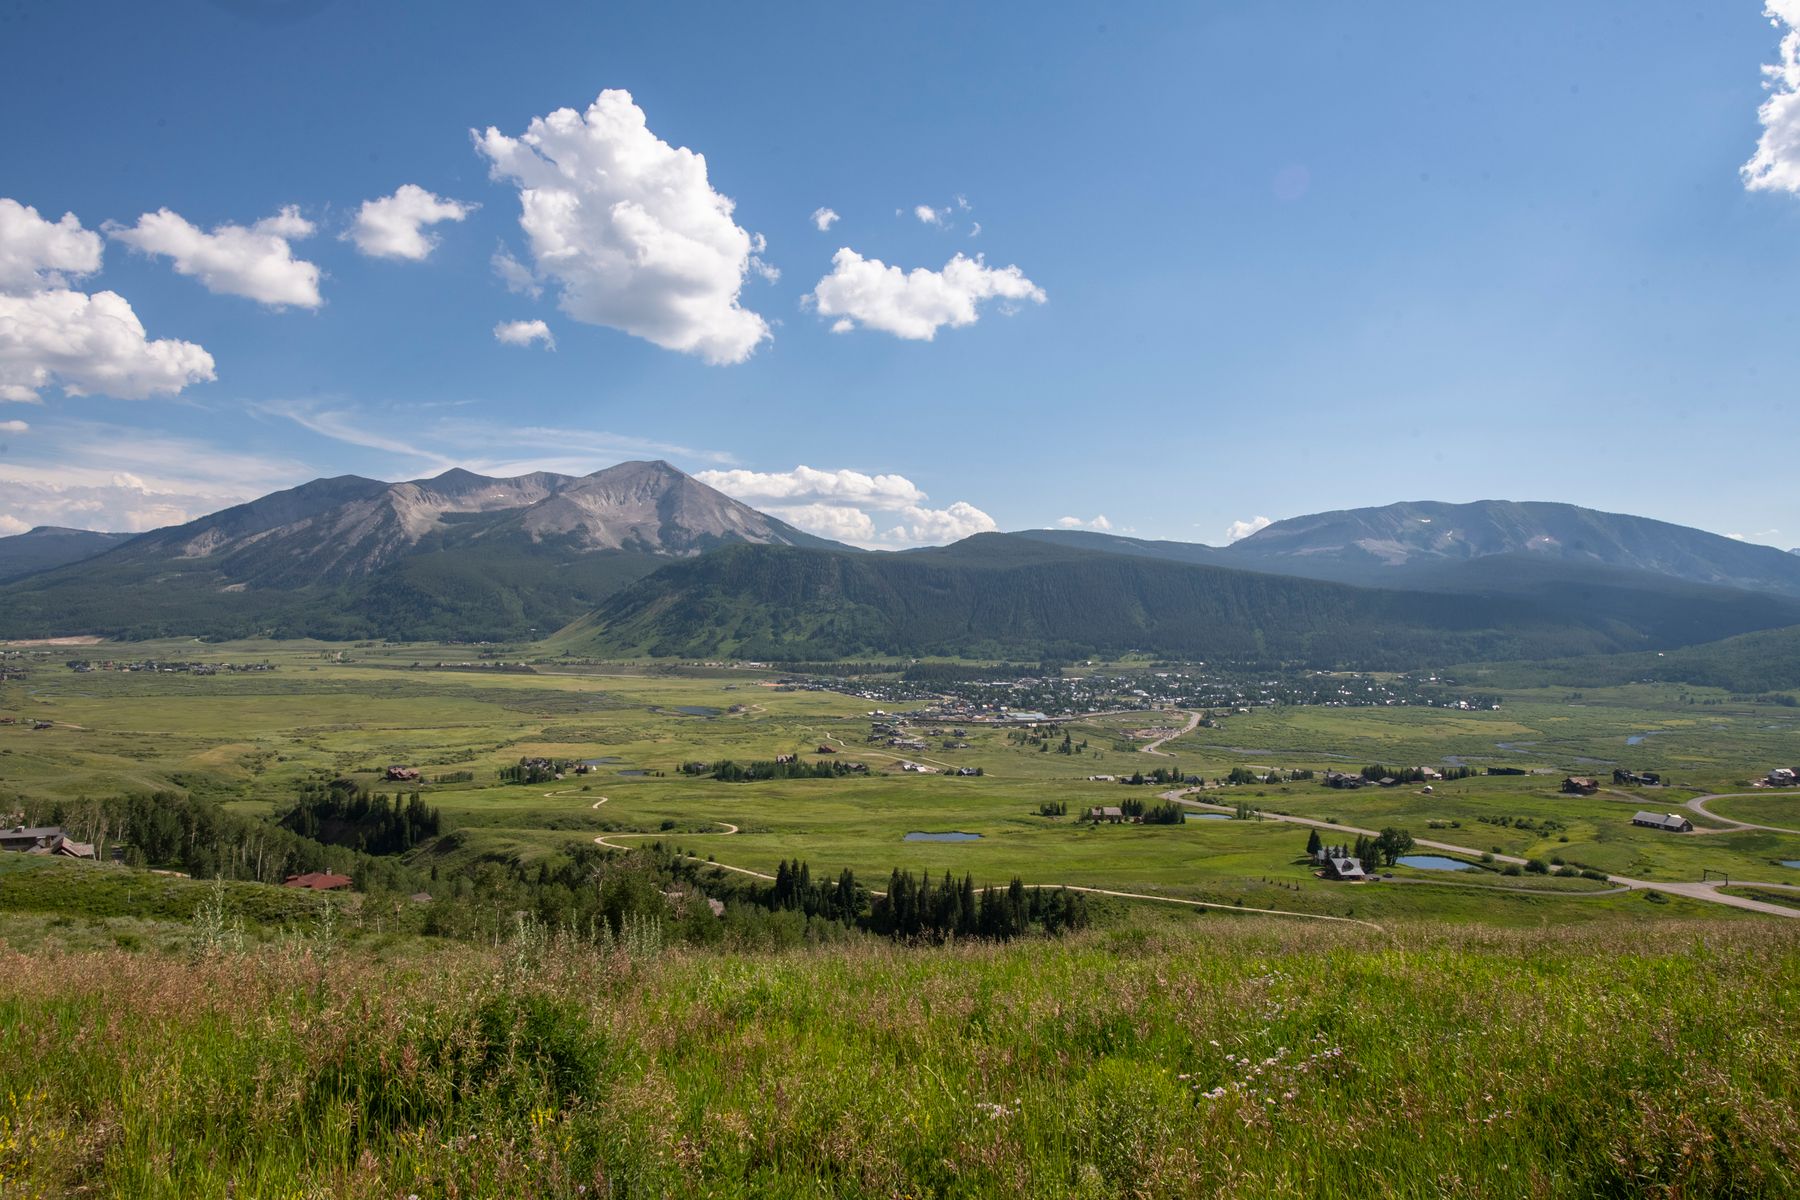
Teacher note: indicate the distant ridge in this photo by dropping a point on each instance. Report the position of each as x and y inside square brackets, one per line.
[1392, 545]
[1007, 596]
[49, 546]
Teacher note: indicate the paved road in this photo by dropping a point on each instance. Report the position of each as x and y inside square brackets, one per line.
[1708, 891]
[1698, 804]
[1156, 746]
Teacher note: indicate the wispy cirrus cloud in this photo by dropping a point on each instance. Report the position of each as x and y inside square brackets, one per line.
[490, 447]
[96, 475]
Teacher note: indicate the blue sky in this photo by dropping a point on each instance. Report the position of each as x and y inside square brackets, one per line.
[1263, 261]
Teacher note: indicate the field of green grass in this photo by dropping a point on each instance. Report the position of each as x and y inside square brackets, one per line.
[249, 740]
[1216, 1057]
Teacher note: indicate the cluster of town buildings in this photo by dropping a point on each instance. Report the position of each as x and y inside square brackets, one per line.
[82, 665]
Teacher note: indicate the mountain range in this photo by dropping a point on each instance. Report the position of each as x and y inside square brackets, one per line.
[643, 559]
[459, 556]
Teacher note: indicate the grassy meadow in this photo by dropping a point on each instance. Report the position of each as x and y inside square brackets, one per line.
[1216, 1057]
[249, 741]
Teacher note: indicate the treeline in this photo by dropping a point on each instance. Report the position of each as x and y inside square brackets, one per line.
[344, 813]
[946, 672]
[728, 771]
[1376, 772]
[836, 669]
[199, 838]
[595, 893]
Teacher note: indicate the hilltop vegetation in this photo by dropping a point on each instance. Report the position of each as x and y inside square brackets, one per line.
[1765, 661]
[998, 596]
[1229, 1058]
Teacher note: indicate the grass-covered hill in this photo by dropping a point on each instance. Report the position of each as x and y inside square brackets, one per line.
[1765, 661]
[1223, 1057]
[1000, 595]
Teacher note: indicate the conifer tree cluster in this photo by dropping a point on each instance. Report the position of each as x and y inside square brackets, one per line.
[918, 910]
[344, 813]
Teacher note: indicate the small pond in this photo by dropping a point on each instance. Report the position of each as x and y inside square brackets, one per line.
[1637, 739]
[1208, 816]
[950, 836]
[1791, 862]
[1432, 862]
[633, 771]
[697, 710]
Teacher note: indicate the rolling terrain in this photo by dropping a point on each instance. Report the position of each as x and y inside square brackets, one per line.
[998, 595]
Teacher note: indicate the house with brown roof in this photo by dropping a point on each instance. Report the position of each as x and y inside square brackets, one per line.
[317, 881]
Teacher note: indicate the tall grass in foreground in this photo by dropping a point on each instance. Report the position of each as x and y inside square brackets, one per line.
[1244, 1058]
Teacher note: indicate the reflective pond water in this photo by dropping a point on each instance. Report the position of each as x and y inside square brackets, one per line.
[1432, 862]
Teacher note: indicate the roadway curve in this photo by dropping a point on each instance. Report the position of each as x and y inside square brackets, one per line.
[1156, 746]
[1698, 804]
[1708, 891]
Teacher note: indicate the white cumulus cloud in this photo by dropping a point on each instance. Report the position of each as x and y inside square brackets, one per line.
[915, 304]
[394, 226]
[930, 215]
[36, 254]
[823, 218]
[1776, 164]
[845, 504]
[254, 261]
[808, 483]
[523, 333]
[1239, 530]
[629, 229]
[1099, 522]
[839, 522]
[89, 344]
[14, 427]
[922, 526]
[51, 334]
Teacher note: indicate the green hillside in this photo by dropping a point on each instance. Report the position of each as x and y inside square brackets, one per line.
[1765, 661]
[997, 595]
